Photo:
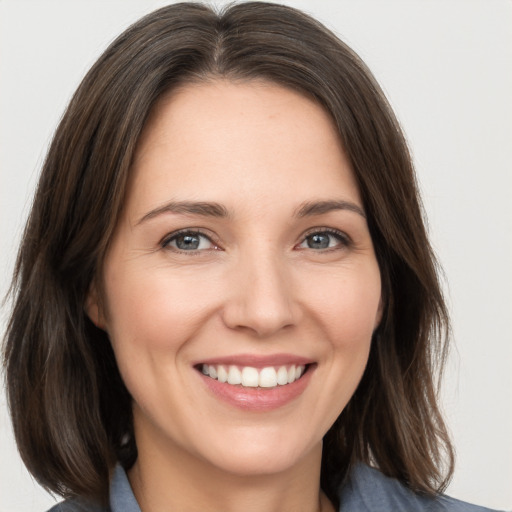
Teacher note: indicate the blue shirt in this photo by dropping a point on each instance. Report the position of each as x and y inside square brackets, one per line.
[366, 490]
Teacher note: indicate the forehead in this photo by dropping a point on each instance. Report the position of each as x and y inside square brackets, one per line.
[252, 139]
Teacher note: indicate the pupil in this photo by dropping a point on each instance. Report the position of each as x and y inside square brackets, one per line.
[187, 242]
[318, 241]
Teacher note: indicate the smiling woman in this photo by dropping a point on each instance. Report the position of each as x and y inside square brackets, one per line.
[291, 224]
[225, 298]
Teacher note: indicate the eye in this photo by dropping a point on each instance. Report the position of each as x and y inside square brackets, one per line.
[188, 241]
[327, 239]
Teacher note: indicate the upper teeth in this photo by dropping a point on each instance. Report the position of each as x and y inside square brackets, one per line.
[248, 376]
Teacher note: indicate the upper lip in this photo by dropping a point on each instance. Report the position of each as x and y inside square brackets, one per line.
[257, 360]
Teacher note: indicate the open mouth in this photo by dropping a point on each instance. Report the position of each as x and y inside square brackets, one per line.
[251, 377]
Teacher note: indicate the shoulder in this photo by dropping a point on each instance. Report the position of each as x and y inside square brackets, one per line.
[77, 505]
[368, 490]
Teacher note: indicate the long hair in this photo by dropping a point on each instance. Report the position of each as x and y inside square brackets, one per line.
[70, 409]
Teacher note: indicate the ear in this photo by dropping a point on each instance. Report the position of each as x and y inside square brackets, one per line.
[93, 309]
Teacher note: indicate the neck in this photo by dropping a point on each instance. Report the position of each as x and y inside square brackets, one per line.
[170, 479]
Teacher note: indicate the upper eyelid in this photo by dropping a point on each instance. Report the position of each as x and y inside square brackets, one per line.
[331, 231]
[196, 231]
[344, 241]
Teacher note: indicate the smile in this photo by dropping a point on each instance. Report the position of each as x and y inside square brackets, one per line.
[254, 382]
[251, 377]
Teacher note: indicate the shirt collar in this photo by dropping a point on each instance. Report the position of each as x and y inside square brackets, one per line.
[121, 494]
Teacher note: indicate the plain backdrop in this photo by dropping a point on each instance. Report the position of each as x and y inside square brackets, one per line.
[446, 66]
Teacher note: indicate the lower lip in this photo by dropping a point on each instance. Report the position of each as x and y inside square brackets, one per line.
[258, 399]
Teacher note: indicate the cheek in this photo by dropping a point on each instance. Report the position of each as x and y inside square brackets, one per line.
[149, 309]
[150, 318]
[347, 304]
[348, 311]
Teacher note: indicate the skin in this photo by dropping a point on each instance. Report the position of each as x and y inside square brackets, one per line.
[254, 286]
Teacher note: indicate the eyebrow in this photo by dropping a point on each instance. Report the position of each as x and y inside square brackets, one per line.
[312, 208]
[204, 209]
[208, 209]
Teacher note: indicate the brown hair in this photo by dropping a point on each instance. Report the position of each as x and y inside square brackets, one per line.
[70, 409]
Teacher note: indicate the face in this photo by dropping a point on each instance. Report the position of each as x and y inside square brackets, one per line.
[241, 288]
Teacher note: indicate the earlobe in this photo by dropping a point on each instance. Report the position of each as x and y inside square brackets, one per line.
[93, 309]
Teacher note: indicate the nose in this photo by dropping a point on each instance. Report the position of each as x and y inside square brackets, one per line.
[261, 298]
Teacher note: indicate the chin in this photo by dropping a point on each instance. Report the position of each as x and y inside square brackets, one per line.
[260, 454]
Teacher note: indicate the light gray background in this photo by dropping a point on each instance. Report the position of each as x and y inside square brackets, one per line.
[446, 66]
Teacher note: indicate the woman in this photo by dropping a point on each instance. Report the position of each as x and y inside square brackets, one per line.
[225, 296]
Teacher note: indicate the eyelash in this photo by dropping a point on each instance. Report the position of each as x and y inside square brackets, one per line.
[341, 237]
[183, 232]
